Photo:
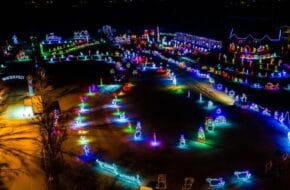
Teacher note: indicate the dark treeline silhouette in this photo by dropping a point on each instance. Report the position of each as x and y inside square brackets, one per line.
[208, 18]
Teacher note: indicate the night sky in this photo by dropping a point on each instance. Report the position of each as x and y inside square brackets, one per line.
[209, 18]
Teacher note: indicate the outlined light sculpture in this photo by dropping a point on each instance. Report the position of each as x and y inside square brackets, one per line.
[101, 82]
[200, 98]
[276, 115]
[94, 88]
[130, 179]
[243, 175]
[129, 128]
[118, 112]
[114, 103]
[266, 112]
[83, 140]
[200, 135]
[218, 111]
[220, 120]
[182, 142]
[232, 93]
[209, 124]
[138, 132]
[78, 123]
[86, 150]
[154, 142]
[209, 104]
[90, 92]
[216, 182]
[281, 118]
[254, 107]
[111, 168]
[174, 80]
[114, 171]
[237, 99]
[188, 94]
[122, 118]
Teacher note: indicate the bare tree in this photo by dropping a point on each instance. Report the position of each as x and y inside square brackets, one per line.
[52, 130]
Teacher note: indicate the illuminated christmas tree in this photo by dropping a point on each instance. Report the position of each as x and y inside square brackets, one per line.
[200, 135]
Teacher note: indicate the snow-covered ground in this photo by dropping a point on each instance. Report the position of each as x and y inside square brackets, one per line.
[20, 147]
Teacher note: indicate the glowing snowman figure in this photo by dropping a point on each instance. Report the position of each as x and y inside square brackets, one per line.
[122, 118]
[182, 142]
[138, 132]
[114, 103]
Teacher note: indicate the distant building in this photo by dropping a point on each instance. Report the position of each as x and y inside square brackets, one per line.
[285, 33]
[252, 38]
[39, 3]
[252, 3]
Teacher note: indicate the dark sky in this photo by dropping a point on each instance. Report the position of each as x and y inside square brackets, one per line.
[206, 17]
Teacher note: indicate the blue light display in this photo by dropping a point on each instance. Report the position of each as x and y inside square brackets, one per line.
[113, 170]
[243, 175]
[216, 182]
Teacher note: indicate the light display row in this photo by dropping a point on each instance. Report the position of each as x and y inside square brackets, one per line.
[113, 170]
[253, 62]
[198, 40]
[250, 37]
[281, 116]
[13, 77]
[65, 49]
[51, 38]
[236, 76]
[243, 176]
